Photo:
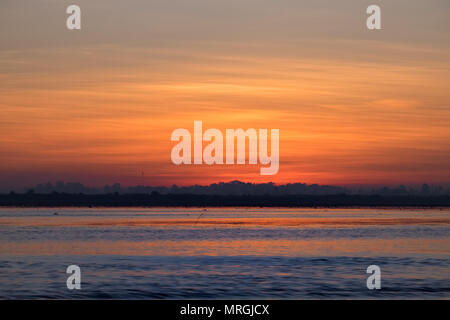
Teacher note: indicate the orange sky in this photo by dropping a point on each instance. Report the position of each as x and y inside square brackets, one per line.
[99, 105]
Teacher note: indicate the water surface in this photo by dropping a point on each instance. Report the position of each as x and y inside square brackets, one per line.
[243, 253]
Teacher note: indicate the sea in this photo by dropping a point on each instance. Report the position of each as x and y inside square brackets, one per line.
[225, 253]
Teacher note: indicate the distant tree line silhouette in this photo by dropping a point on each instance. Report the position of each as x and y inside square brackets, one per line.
[240, 188]
[232, 194]
[189, 200]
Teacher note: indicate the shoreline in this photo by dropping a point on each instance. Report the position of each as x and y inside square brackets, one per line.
[224, 201]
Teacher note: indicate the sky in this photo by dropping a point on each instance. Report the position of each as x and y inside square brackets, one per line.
[98, 105]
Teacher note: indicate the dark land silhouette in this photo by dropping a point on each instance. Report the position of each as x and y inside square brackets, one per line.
[230, 194]
[236, 188]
